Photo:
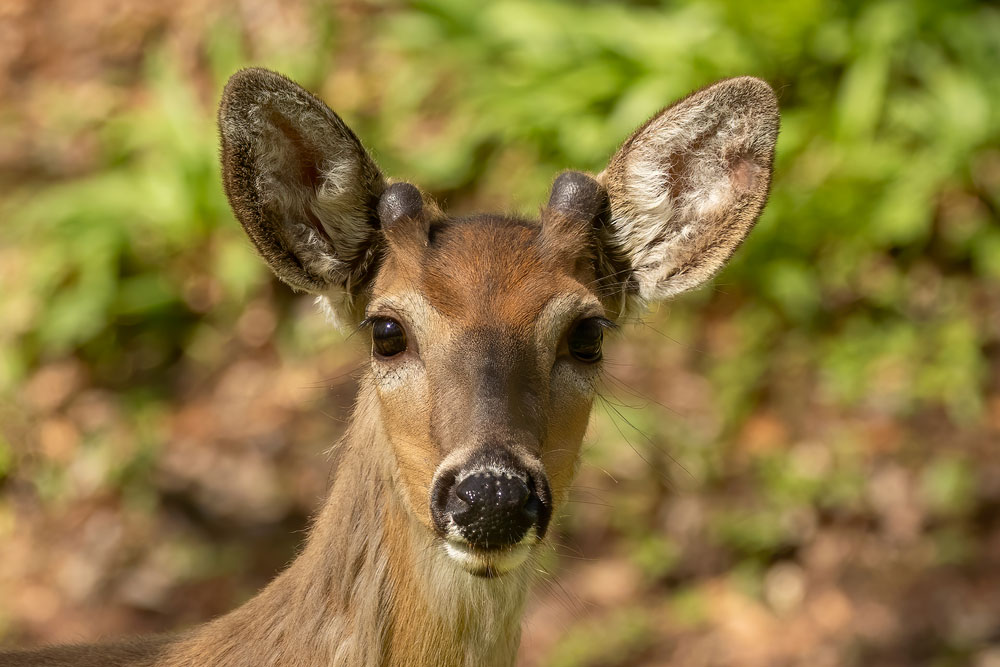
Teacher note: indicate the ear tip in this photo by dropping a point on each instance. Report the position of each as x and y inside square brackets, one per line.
[750, 82]
[241, 87]
[751, 99]
[252, 77]
[755, 93]
[246, 89]
[246, 85]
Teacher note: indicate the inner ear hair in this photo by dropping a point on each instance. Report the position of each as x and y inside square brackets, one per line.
[300, 183]
[688, 186]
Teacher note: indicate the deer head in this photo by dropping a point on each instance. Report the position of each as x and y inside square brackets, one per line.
[486, 330]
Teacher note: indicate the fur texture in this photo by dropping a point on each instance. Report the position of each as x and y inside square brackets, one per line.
[687, 187]
[302, 186]
[487, 304]
[370, 587]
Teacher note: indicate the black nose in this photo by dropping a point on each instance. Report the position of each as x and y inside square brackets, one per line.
[493, 509]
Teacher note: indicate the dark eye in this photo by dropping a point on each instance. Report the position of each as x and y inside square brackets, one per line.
[585, 340]
[388, 337]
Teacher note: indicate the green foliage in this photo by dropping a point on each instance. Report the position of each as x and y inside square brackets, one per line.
[109, 263]
[863, 297]
[6, 458]
[885, 107]
[619, 640]
[948, 485]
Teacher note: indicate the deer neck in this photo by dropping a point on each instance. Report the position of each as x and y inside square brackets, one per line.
[371, 587]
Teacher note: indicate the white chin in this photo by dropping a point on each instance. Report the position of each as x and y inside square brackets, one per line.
[487, 563]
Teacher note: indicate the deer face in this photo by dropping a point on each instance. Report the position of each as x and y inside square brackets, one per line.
[486, 346]
[486, 331]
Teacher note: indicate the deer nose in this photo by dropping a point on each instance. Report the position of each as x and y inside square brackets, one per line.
[493, 509]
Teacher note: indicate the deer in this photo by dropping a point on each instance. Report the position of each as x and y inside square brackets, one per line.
[486, 336]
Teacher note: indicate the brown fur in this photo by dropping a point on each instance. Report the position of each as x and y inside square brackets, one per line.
[486, 303]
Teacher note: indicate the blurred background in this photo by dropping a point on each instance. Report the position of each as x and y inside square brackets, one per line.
[798, 465]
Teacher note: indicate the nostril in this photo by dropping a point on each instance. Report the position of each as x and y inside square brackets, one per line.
[493, 509]
[518, 494]
[472, 489]
[533, 507]
[486, 490]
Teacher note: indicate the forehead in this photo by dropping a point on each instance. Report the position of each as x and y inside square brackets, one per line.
[487, 269]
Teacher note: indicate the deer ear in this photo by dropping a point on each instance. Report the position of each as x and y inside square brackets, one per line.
[687, 187]
[302, 186]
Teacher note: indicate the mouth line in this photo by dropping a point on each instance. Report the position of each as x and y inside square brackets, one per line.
[488, 564]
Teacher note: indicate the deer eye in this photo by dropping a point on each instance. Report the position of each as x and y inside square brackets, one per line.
[388, 337]
[585, 339]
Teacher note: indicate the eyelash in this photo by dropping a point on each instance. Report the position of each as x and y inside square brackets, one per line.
[604, 322]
